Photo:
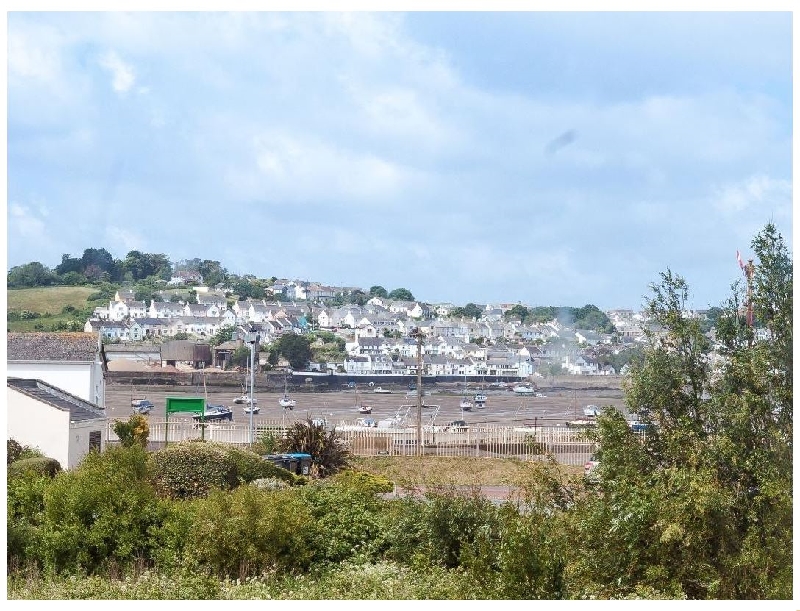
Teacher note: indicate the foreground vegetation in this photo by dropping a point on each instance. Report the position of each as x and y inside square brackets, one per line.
[699, 508]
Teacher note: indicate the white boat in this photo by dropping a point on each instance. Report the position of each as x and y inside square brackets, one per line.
[215, 412]
[480, 400]
[244, 399]
[591, 411]
[382, 391]
[522, 389]
[286, 402]
[465, 404]
[364, 409]
[250, 409]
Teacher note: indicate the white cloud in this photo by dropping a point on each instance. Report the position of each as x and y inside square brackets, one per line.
[124, 239]
[296, 169]
[122, 76]
[757, 191]
[23, 223]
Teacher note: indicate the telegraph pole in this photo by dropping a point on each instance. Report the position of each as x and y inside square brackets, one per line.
[417, 334]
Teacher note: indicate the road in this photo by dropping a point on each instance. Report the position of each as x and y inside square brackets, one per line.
[503, 407]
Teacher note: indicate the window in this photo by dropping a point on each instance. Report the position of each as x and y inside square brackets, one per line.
[94, 440]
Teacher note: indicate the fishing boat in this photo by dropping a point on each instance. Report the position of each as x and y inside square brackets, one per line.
[141, 406]
[382, 391]
[480, 400]
[524, 389]
[285, 401]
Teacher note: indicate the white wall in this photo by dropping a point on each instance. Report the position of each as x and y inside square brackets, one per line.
[80, 378]
[43, 426]
[36, 424]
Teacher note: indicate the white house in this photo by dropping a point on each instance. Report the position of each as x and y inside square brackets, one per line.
[73, 362]
[61, 425]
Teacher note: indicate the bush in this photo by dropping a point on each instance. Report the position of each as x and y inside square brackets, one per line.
[135, 431]
[38, 465]
[250, 467]
[363, 481]
[248, 532]
[347, 515]
[24, 516]
[13, 450]
[99, 514]
[190, 469]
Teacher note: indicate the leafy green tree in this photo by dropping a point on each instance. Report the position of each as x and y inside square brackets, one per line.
[69, 264]
[294, 348]
[378, 291]
[401, 294]
[468, 311]
[30, 275]
[702, 505]
[518, 311]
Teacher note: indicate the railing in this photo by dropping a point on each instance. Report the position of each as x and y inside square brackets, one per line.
[567, 446]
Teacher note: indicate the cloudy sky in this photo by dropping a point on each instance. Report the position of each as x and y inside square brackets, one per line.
[542, 158]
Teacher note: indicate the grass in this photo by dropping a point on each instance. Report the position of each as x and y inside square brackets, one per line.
[442, 470]
[48, 300]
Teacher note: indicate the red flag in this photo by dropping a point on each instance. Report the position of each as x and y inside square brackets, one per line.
[739, 259]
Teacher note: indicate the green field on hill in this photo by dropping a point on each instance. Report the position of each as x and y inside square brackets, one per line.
[48, 300]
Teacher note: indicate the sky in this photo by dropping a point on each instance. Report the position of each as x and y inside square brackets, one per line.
[540, 158]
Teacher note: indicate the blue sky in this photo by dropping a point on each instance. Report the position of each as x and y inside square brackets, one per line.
[542, 158]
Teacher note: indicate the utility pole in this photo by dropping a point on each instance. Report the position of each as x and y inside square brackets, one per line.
[417, 334]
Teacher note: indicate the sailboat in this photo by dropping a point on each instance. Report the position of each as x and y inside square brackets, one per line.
[362, 408]
[285, 401]
[250, 405]
[465, 404]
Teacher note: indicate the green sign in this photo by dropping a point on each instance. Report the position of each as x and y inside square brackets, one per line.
[196, 405]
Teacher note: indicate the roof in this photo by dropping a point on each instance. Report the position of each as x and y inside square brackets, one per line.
[52, 346]
[79, 410]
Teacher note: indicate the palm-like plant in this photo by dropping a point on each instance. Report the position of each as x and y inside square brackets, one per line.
[328, 451]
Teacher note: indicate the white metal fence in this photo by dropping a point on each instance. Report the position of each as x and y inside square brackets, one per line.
[567, 446]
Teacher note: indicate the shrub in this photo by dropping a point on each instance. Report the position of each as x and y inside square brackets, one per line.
[441, 528]
[24, 516]
[191, 469]
[363, 481]
[13, 450]
[248, 532]
[328, 452]
[250, 467]
[135, 431]
[40, 465]
[348, 518]
[99, 514]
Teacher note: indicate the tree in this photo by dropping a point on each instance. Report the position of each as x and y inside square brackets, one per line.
[29, 275]
[378, 291]
[702, 505]
[69, 264]
[294, 348]
[401, 294]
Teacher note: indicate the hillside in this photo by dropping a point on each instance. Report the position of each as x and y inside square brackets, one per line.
[49, 300]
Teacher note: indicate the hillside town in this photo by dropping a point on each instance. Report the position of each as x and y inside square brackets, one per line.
[377, 335]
